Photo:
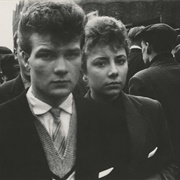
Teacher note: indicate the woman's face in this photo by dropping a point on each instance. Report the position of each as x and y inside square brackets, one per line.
[106, 71]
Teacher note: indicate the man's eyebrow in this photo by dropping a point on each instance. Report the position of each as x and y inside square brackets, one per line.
[44, 48]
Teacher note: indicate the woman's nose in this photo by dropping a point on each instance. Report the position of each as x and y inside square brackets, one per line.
[113, 70]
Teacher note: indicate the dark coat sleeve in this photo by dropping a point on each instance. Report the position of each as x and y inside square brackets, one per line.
[137, 86]
[167, 168]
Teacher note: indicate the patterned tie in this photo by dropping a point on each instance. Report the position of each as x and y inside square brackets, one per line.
[58, 135]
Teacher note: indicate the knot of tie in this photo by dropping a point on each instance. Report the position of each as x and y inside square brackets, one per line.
[56, 114]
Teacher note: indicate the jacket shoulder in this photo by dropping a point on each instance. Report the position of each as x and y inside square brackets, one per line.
[5, 87]
[144, 101]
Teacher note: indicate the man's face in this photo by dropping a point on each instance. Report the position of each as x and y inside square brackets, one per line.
[106, 71]
[54, 68]
[144, 46]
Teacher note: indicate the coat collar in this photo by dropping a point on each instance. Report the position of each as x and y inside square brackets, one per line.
[162, 58]
[17, 86]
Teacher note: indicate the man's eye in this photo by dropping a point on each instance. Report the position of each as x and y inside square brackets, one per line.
[72, 55]
[46, 55]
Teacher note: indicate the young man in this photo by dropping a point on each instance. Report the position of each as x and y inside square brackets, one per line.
[48, 133]
[160, 80]
[145, 141]
[135, 60]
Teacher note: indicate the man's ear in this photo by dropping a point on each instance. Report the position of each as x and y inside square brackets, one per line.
[149, 48]
[25, 58]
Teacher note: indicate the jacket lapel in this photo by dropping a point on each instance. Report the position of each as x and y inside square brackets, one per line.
[137, 127]
[29, 137]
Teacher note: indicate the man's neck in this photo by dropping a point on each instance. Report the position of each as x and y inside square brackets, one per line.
[152, 55]
[53, 101]
[25, 80]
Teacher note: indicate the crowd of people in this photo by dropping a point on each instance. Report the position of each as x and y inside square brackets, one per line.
[84, 98]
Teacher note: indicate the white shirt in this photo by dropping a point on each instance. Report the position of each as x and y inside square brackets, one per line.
[41, 110]
[135, 47]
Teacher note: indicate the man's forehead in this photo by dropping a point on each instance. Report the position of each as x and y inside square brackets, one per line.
[52, 42]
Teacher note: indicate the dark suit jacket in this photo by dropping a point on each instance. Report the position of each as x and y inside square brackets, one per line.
[100, 142]
[11, 89]
[135, 64]
[161, 81]
[147, 130]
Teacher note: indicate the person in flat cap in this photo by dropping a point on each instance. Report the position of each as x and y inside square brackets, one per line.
[135, 59]
[160, 80]
[158, 38]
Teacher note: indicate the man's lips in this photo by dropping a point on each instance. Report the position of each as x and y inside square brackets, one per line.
[60, 81]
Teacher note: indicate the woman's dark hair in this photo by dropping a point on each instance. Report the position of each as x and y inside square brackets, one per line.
[101, 31]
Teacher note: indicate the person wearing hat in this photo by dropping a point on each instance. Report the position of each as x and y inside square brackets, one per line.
[135, 60]
[160, 80]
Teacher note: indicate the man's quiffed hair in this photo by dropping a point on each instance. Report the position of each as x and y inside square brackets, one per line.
[62, 19]
[102, 31]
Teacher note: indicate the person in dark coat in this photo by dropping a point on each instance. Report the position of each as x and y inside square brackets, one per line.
[3, 50]
[147, 150]
[176, 52]
[14, 87]
[9, 67]
[135, 60]
[161, 80]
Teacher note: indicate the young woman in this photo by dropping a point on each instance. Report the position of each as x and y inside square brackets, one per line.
[148, 149]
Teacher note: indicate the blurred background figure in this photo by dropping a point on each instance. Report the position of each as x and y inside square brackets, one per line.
[11, 89]
[177, 53]
[92, 14]
[135, 60]
[176, 50]
[9, 67]
[24, 75]
[3, 50]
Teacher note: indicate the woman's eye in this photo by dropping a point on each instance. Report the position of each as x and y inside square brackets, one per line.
[100, 64]
[120, 61]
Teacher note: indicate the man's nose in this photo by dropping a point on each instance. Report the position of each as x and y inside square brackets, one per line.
[61, 66]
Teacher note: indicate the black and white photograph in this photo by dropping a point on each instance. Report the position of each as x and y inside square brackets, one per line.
[90, 89]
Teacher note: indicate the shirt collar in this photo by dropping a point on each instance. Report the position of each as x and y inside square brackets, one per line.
[39, 107]
[135, 47]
